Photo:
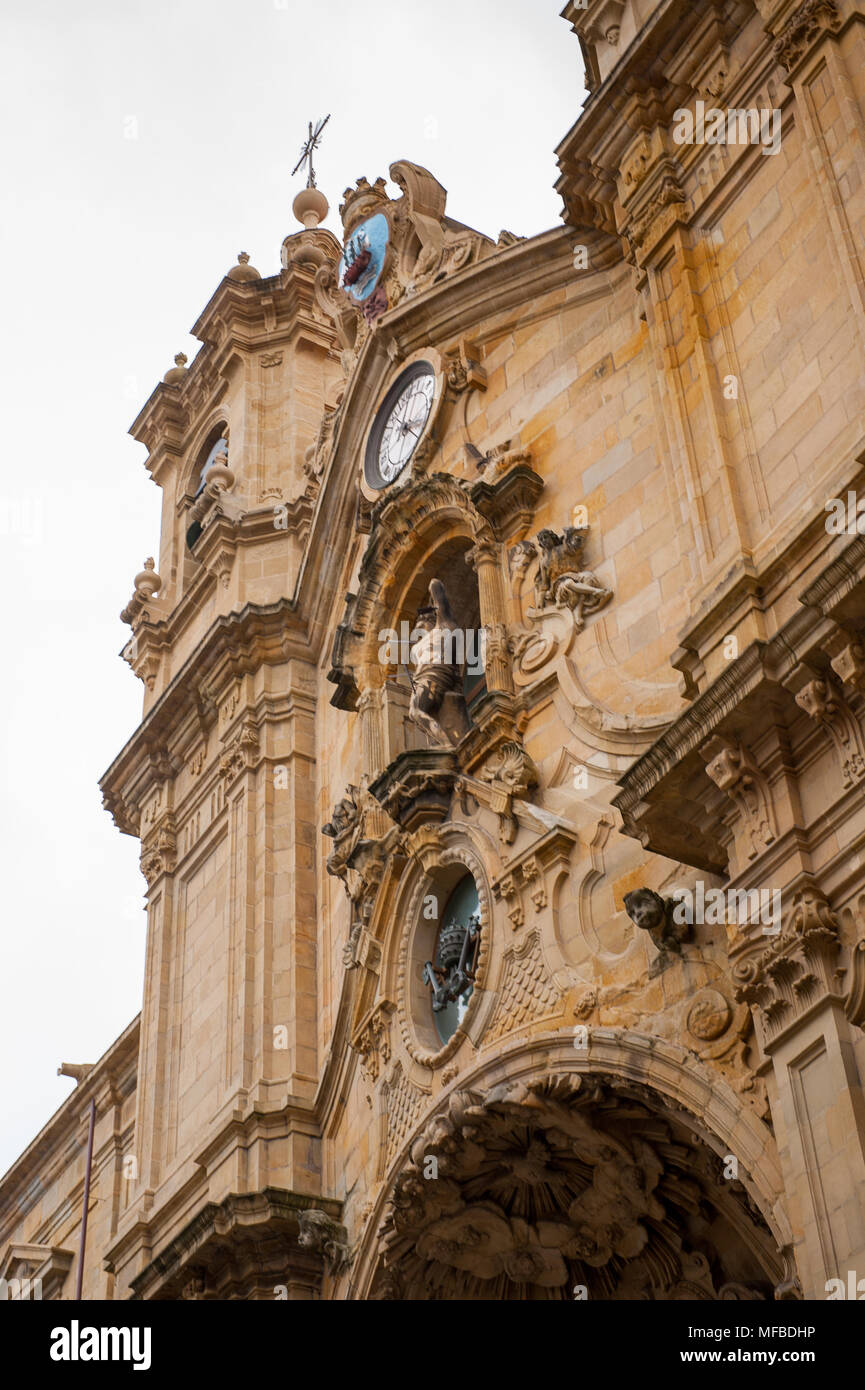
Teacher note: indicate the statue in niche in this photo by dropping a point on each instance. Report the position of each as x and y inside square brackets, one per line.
[438, 660]
[654, 914]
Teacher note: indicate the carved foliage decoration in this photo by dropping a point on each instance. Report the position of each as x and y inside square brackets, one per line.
[373, 1043]
[797, 968]
[804, 28]
[241, 753]
[827, 707]
[159, 850]
[552, 1181]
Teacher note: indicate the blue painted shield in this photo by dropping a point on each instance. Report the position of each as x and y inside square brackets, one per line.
[362, 261]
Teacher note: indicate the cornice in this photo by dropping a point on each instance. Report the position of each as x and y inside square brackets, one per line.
[753, 688]
[18, 1188]
[255, 1215]
[236, 643]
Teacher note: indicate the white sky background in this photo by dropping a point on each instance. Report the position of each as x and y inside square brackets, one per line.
[110, 248]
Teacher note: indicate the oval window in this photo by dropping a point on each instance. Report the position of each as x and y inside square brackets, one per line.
[450, 974]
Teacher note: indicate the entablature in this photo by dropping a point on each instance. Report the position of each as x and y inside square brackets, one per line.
[238, 642]
[812, 665]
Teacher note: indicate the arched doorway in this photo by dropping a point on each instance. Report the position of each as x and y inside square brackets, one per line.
[573, 1184]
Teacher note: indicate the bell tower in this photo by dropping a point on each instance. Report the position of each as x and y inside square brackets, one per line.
[218, 780]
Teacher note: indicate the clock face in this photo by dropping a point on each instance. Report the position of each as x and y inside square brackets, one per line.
[400, 422]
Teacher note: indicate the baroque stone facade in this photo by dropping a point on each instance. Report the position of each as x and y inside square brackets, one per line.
[497, 665]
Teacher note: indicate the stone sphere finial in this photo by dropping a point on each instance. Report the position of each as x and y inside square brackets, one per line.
[310, 207]
[243, 271]
[148, 582]
[175, 374]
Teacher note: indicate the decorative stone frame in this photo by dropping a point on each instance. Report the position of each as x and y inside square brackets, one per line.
[205, 437]
[679, 1083]
[430, 436]
[436, 865]
[411, 524]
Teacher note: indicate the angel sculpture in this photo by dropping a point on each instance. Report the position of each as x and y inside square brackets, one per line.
[559, 582]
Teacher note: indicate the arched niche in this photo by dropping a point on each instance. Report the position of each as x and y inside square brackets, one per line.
[427, 529]
[449, 562]
[210, 442]
[599, 1172]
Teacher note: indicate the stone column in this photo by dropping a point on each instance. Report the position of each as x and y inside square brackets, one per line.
[370, 711]
[485, 560]
[793, 983]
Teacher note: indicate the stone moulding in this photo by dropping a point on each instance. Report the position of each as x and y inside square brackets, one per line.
[417, 786]
[759, 684]
[34, 1266]
[244, 640]
[261, 1230]
[635, 1065]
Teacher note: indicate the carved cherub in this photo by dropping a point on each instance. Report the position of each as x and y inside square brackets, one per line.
[317, 1231]
[654, 914]
[555, 556]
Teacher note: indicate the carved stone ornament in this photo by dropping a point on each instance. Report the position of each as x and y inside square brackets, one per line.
[241, 1247]
[826, 706]
[665, 205]
[565, 596]
[732, 768]
[797, 969]
[709, 1016]
[849, 665]
[319, 1232]
[546, 1183]
[508, 776]
[806, 25]
[241, 753]
[527, 991]
[373, 1043]
[654, 914]
[364, 838]
[317, 454]
[159, 851]
[193, 1291]
[393, 249]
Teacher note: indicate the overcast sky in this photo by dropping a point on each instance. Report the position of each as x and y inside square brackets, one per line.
[144, 145]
